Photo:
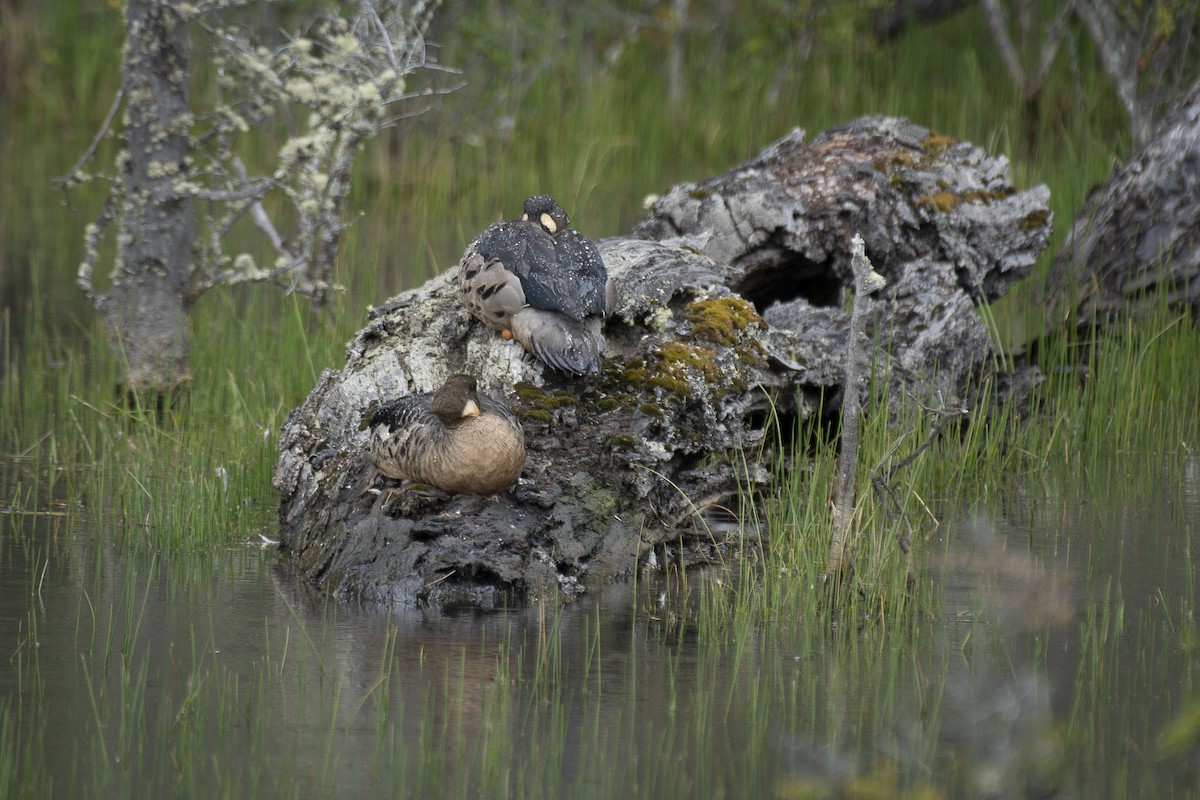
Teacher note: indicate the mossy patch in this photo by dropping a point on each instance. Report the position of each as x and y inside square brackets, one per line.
[713, 357]
[671, 384]
[623, 441]
[677, 355]
[601, 502]
[634, 371]
[536, 405]
[621, 383]
[1034, 219]
[942, 201]
[752, 353]
[986, 197]
[895, 161]
[936, 142]
[651, 410]
[676, 361]
[722, 320]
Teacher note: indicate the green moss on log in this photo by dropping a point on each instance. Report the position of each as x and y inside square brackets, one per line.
[723, 320]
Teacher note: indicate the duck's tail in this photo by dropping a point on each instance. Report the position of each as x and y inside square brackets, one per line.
[568, 345]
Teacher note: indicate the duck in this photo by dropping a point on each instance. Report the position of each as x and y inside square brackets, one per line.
[541, 282]
[456, 439]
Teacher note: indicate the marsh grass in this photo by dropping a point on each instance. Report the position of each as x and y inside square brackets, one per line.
[1128, 395]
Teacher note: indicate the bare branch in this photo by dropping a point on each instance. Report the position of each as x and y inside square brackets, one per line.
[215, 6]
[1119, 61]
[1004, 42]
[1053, 41]
[373, 15]
[430, 92]
[74, 176]
[260, 217]
[252, 192]
[866, 282]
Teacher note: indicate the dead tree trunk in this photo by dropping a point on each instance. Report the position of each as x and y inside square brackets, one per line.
[143, 309]
[733, 317]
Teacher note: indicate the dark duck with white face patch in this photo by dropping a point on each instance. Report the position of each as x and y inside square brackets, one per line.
[543, 283]
[454, 439]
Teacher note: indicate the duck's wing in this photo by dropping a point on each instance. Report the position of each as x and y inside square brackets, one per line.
[578, 256]
[401, 432]
[489, 290]
[561, 273]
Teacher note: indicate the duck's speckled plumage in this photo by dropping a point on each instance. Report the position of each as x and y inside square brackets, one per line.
[455, 439]
[542, 282]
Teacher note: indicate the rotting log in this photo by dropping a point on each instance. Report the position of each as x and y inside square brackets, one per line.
[732, 318]
[1136, 242]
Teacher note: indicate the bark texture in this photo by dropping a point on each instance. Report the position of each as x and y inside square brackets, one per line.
[1136, 242]
[730, 314]
[143, 310]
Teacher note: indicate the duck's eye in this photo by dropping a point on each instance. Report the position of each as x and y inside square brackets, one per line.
[548, 223]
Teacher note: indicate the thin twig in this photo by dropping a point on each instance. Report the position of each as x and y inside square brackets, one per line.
[882, 478]
[69, 179]
[259, 214]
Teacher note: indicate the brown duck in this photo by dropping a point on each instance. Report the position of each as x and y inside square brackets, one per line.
[454, 439]
[543, 283]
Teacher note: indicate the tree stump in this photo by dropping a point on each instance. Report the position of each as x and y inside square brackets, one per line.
[731, 313]
[1136, 242]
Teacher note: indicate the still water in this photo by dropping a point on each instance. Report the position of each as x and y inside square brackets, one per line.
[1061, 646]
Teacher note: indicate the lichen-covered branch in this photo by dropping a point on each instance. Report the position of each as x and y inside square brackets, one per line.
[347, 74]
[341, 81]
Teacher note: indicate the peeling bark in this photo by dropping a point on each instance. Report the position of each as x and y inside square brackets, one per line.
[733, 319]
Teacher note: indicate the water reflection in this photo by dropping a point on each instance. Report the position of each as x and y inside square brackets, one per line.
[1050, 667]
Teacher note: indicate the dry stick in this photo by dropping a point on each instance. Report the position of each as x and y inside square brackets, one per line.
[866, 283]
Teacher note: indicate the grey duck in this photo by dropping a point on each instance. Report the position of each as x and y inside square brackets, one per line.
[543, 283]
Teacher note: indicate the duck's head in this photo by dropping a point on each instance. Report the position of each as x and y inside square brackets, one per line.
[542, 209]
[457, 400]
